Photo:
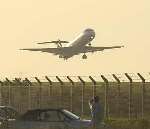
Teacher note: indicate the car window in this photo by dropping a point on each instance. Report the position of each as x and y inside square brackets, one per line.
[3, 113]
[11, 113]
[61, 116]
[8, 113]
[31, 116]
[49, 116]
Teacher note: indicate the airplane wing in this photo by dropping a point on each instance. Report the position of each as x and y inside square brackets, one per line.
[54, 51]
[68, 52]
[94, 49]
[64, 51]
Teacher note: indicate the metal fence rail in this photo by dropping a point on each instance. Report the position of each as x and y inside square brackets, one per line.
[122, 95]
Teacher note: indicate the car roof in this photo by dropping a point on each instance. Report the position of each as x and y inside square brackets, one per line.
[6, 107]
[43, 110]
[32, 112]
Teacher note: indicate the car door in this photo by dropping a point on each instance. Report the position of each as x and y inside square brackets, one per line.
[31, 120]
[49, 119]
[52, 120]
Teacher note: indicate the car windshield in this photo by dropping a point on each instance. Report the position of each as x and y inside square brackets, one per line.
[71, 115]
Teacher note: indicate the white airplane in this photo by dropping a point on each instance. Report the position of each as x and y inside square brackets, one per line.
[81, 44]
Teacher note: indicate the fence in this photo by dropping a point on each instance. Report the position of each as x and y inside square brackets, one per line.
[123, 95]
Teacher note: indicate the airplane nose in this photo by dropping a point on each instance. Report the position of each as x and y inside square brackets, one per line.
[92, 35]
[91, 32]
[88, 30]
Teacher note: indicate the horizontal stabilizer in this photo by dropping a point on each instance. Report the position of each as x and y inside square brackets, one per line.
[55, 42]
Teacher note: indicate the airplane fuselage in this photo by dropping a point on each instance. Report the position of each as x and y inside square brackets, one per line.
[82, 39]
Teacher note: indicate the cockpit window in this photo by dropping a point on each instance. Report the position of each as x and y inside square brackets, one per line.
[87, 30]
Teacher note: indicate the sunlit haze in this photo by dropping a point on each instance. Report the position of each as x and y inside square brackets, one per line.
[116, 22]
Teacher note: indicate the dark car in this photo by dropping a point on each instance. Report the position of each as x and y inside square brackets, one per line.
[7, 112]
[49, 119]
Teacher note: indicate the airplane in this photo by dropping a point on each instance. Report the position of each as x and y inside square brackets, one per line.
[81, 44]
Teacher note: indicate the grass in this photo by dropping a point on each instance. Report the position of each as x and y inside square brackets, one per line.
[126, 124]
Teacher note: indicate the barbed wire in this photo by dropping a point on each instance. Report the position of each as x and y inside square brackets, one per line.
[97, 78]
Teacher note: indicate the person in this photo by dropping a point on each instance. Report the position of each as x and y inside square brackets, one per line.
[96, 112]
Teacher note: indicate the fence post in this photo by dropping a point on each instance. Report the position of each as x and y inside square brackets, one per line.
[9, 91]
[118, 97]
[143, 93]
[106, 97]
[130, 94]
[94, 85]
[71, 92]
[29, 93]
[50, 85]
[40, 94]
[61, 91]
[1, 84]
[83, 86]
[18, 81]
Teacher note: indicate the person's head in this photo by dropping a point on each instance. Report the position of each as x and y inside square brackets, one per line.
[96, 99]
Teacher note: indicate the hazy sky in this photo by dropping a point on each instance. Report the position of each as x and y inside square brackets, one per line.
[23, 23]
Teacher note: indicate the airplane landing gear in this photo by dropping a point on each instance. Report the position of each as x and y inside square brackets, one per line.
[60, 56]
[89, 44]
[65, 58]
[84, 56]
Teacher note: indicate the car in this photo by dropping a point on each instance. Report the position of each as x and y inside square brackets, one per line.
[48, 119]
[8, 112]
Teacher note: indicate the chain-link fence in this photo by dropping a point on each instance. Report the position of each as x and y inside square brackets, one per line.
[122, 95]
